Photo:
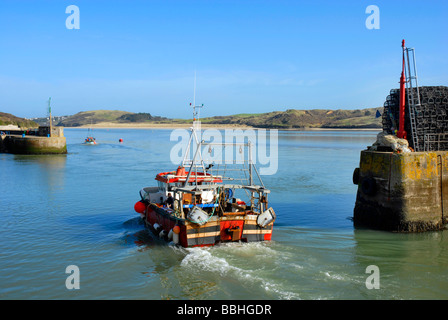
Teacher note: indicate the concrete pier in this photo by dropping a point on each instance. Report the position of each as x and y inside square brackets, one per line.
[403, 192]
[35, 142]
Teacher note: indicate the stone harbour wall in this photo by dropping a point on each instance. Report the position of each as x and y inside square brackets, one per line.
[33, 144]
[404, 192]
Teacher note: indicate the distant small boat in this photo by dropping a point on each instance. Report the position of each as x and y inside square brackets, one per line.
[90, 140]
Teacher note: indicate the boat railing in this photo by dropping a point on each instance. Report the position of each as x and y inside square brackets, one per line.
[197, 188]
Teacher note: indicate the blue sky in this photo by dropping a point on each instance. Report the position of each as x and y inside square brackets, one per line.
[249, 56]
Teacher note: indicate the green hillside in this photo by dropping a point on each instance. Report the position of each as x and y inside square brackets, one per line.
[85, 118]
[92, 117]
[296, 119]
[7, 118]
[289, 119]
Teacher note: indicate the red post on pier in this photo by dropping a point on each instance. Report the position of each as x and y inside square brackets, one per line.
[401, 132]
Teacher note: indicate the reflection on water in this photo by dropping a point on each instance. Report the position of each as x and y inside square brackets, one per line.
[50, 171]
[412, 266]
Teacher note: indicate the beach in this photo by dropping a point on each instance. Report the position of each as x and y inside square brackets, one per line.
[142, 125]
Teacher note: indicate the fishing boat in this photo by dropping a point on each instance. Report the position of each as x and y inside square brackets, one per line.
[200, 203]
[90, 140]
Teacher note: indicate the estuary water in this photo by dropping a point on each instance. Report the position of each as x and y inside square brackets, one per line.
[77, 209]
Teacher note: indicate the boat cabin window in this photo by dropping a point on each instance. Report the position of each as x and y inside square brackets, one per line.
[162, 186]
[173, 184]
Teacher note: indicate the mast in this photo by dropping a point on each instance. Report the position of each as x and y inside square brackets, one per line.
[409, 88]
[194, 94]
[196, 127]
[49, 110]
[401, 132]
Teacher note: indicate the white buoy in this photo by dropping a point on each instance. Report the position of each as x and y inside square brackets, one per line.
[176, 231]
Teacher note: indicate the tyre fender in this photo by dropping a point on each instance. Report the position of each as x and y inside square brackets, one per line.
[368, 186]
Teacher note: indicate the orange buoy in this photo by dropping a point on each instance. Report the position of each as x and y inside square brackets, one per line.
[120, 140]
[181, 171]
[140, 207]
[176, 229]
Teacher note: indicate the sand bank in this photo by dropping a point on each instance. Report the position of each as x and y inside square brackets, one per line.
[112, 125]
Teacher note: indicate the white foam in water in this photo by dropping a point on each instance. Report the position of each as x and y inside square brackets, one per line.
[297, 267]
[202, 258]
[206, 259]
[335, 276]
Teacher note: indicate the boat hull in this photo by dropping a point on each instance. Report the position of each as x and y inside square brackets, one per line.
[230, 227]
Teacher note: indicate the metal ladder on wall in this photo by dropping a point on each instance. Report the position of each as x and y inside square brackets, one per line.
[413, 97]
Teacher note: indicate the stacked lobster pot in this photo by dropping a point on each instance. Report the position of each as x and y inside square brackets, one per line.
[431, 118]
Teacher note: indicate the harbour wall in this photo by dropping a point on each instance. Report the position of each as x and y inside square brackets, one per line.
[403, 192]
[34, 142]
[33, 145]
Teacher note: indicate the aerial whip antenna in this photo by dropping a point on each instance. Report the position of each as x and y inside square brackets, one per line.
[195, 112]
[49, 111]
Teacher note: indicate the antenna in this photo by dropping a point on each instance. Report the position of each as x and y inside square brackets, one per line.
[195, 112]
[194, 91]
[49, 111]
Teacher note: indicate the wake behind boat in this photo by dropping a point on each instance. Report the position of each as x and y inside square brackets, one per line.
[199, 204]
